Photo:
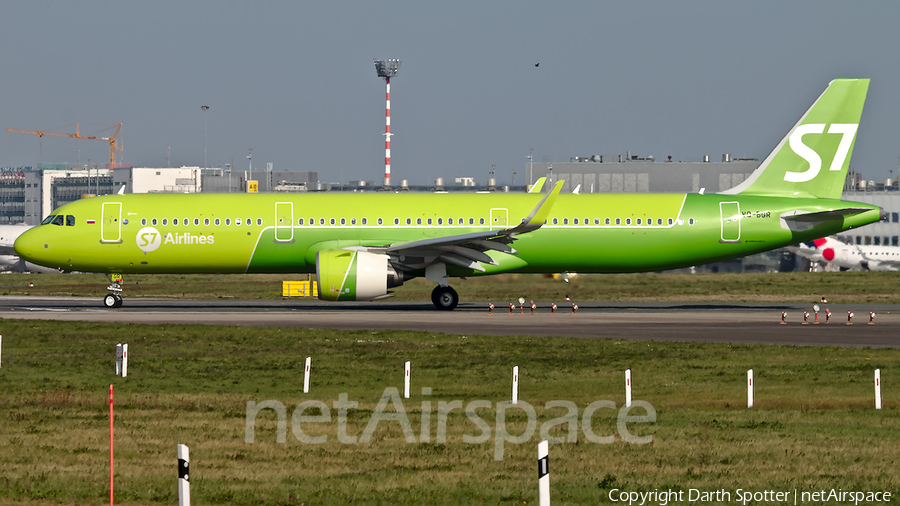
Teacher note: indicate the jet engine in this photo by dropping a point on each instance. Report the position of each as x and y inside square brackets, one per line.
[355, 275]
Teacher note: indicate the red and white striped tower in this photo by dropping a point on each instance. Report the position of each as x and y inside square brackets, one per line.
[387, 131]
[387, 69]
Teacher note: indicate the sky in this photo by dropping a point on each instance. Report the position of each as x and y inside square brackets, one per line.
[295, 82]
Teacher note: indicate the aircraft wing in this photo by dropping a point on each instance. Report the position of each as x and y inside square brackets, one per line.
[469, 250]
[7, 249]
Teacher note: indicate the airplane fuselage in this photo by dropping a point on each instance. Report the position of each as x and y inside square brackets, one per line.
[281, 233]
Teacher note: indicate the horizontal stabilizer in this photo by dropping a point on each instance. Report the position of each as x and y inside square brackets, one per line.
[825, 215]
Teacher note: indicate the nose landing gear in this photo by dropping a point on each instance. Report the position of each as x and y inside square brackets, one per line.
[114, 299]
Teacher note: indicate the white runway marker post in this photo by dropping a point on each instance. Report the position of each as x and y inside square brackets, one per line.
[515, 393]
[306, 376]
[406, 380]
[119, 359]
[877, 388]
[627, 388]
[184, 484]
[544, 473]
[750, 388]
[125, 360]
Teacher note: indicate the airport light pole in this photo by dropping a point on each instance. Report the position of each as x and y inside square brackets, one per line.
[250, 162]
[228, 170]
[204, 108]
[387, 69]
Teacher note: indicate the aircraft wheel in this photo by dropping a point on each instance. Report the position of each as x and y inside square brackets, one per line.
[118, 300]
[111, 301]
[445, 298]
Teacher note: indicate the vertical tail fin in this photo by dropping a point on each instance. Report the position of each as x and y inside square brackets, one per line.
[813, 158]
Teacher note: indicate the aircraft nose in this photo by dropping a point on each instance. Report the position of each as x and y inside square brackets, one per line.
[30, 246]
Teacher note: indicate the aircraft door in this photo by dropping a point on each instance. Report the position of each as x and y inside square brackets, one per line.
[499, 219]
[284, 221]
[111, 222]
[731, 221]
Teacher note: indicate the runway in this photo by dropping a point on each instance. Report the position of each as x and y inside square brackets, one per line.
[686, 322]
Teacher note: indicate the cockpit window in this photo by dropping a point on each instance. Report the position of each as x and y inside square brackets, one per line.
[70, 220]
[58, 220]
[48, 219]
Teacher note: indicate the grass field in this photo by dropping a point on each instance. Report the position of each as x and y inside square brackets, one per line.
[875, 287]
[813, 425]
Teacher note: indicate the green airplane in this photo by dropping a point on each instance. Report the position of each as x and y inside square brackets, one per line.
[362, 245]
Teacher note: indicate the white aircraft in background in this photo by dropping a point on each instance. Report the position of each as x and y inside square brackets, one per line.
[850, 256]
[9, 261]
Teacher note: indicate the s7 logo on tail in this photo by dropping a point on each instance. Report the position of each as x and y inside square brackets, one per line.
[847, 131]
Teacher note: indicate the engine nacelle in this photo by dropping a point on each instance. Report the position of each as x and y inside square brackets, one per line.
[354, 275]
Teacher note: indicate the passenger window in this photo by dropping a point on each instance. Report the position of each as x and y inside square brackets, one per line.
[143, 222]
[440, 221]
[206, 221]
[364, 221]
[555, 221]
[691, 221]
[481, 221]
[418, 221]
[353, 221]
[300, 221]
[248, 221]
[408, 221]
[321, 221]
[596, 221]
[259, 221]
[165, 221]
[638, 221]
[618, 221]
[575, 221]
[670, 221]
[565, 221]
[628, 221]
[587, 221]
[174, 222]
[331, 221]
[449, 221]
[237, 221]
[227, 221]
[312, 221]
[218, 222]
[48, 219]
[185, 222]
[471, 221]
[153, 222]
[429, 221]
[396, 221]
[343, 221]
[380, 221]
[197, 221]
[606, 221]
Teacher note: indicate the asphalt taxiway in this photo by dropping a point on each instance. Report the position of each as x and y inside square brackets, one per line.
[745, 323]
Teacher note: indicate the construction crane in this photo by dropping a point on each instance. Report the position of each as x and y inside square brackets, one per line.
[113, 145]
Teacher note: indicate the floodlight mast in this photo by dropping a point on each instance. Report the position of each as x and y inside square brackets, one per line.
[387, 69]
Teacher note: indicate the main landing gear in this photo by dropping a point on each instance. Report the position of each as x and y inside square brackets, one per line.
[444, 298]
[114, 298]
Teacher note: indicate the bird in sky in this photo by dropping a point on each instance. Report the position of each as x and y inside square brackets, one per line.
[538, 64]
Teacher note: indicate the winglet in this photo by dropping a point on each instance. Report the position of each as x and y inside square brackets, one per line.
[538, 185]
[539, 214]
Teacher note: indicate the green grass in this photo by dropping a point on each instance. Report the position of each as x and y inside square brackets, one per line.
[873, 287]
[813, 426]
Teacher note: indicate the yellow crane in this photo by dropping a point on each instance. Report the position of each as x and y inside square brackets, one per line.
[113, 144]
